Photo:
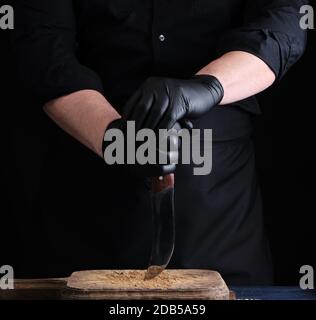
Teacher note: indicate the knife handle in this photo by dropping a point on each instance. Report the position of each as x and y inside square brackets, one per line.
[159, 184]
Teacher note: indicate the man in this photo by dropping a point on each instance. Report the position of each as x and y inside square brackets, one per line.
[93, 64]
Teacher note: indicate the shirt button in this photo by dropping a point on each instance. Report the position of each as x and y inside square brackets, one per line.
[162, 38]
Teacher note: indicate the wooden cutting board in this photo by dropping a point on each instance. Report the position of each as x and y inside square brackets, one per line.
[130, 284]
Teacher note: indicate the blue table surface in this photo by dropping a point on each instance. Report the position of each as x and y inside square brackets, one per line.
[273, 293]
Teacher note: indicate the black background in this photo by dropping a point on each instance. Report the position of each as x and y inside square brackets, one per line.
[285, 142]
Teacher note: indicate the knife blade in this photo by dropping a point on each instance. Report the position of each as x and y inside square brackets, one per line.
[162, 199]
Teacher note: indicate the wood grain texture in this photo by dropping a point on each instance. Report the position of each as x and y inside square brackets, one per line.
[130, 284]
[35, 289]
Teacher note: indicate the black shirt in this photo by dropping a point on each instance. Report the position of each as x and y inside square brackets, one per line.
[74, 212]
[113, 45]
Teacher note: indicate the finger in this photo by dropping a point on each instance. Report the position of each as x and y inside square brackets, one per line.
[160, 106]
[141, 111]
[130, 105]
[174, 113]
[186, 124]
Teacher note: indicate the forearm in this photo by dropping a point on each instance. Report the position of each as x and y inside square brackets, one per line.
[241, 74]
[85, 115]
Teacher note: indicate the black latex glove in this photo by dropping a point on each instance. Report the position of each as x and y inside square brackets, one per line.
[161, 102]
[148, 170]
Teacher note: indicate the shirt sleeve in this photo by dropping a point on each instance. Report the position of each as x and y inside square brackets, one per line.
[271, 31]
[43, 45]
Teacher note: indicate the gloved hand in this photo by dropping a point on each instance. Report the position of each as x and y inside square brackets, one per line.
[148, 170]
[161, 102]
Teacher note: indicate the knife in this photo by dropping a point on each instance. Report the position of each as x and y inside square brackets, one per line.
[162, 200]
[163, 215]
